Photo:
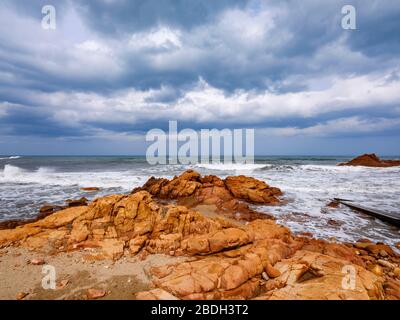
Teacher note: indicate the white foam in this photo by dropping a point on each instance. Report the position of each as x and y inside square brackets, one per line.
[232, 166]
[49, 176]
[11, 158]
[308, 188]
[313, 167]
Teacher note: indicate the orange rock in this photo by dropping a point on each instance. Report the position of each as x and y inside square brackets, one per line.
[252, 190]
[136, 244]
[371, 160]
[333, 204]
[233, 277]
[95, 293]
[271, 271]
[90, 189]
[392, 289]
[37, 262]
[112, 248]
[311, 275]
[21, 295]
[229, 259]
[380, 249]
[155, 294]
[228, 238]
[376, 269]
[191, 189]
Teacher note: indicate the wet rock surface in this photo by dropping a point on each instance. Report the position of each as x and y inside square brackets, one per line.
[241, 258]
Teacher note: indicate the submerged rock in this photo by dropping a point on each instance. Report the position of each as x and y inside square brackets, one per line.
[90, 189]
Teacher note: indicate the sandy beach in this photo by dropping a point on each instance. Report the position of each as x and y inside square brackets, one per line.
[76, 272]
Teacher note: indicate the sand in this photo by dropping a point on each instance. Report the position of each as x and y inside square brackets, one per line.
[120, 279]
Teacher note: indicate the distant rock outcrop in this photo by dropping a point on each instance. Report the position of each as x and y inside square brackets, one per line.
[371, 160]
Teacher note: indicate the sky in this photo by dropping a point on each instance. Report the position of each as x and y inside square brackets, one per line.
[112, 70]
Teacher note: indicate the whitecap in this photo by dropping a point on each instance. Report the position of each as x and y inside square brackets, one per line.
[232, 166]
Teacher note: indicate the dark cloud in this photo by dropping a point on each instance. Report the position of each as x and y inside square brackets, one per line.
[120, 66]
[122, 16]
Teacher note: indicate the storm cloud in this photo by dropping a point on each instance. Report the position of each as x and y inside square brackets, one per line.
[114, 69]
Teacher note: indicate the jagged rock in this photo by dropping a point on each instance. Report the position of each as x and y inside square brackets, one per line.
[210, 275]
[392, 289]
[21, 295]
[191, 189]
[380, 250]
[44, 211]
[95, 293]
[135, 221]
[227, 259]
[371, 160]
[252, 190]
[310, 275]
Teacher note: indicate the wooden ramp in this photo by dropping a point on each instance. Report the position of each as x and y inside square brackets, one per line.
[391, 218]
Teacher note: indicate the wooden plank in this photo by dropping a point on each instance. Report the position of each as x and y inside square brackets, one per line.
[384, 216]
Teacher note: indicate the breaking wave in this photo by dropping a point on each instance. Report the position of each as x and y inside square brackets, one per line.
[233, 166]
[50, 177]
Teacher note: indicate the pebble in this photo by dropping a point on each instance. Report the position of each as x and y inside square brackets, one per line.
[96, 293]
[271, 271]
[37, 262]
[21, 295]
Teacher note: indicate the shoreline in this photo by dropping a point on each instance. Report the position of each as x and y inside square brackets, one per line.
[185, 224]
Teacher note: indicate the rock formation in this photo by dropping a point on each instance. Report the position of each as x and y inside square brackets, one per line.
[242, 258]
[371, 160]
[231, 196]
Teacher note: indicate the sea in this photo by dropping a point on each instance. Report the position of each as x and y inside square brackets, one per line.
[309, 183]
